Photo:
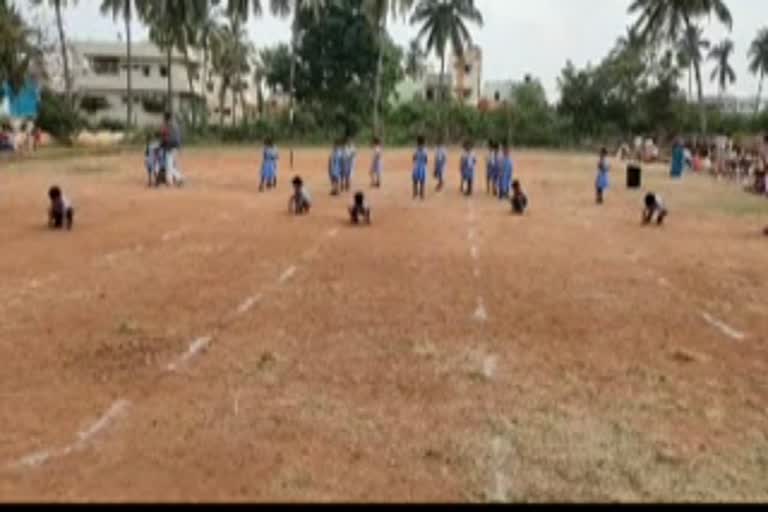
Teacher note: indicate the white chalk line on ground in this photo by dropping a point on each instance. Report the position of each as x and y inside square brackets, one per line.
[83, 438]
[288, 274]
[174, 235]
[194, 349]
[481, 314]
[500, 491]
[248, 304]
[474, 252]
[723, 327]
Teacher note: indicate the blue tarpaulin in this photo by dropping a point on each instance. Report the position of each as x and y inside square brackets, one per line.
[25, 103]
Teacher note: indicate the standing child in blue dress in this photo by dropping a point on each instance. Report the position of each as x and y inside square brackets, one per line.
[376, 165]
[350, 155]
[468, 163]
[603, 182]
[420, 162]
[269, 166]
[491, 168]
[152, 158]
[441, 161]
[336, 167]
[506, 172]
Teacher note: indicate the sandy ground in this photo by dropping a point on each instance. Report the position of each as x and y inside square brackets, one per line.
[203, 345]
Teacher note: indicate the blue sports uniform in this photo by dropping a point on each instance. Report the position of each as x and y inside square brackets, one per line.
[420, 162]
[506, 174]
[603, 182]
[491, 167]
[269, 164]
[376, 165]
[336, 167]
[349, 155]
[468, 163]
[441, 161]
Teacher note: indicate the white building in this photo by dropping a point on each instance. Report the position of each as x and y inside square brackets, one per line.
[99, 79]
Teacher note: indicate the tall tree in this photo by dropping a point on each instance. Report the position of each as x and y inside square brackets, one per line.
[337, 60]
[231, 54]
[758, 63]
[444, 22]
[691, 49]
[414, 60]
[17, 49]
[723, 73]
[379, 12]
[58, 6]
[124, 9]
[665, 19]
[284, 8]
[169, 22]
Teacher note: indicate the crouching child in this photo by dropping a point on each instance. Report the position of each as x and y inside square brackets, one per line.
[360, 211]
[654, 208]
[61, 214]
[300, 202]
[519, 199]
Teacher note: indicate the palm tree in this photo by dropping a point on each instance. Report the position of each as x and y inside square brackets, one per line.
[723, 73]
[168, 22]
[124, 9]
[665, 19]
[414, 60]
[17, 51]
[690, 49]
[443, 22]
[284, 8]
[758, 62]
[58, 5]
[231, 54]
[379, 12]
[241, 8]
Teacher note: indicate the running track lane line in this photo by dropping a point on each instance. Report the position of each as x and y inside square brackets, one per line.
[39, 458]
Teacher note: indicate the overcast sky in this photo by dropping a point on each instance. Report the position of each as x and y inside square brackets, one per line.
[519, 36]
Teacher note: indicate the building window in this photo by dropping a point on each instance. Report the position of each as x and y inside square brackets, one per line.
[147, 71]
[467, 93]
[497, 96]
[468, 68]
[105, 66]
[209, 86]
[430, 94]
[164, 71]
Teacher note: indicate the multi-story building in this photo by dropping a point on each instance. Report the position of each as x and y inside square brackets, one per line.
[99, 76]
[467, 70]
[462, 81]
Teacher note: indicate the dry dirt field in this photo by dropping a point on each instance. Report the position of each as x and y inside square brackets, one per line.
[203, 345]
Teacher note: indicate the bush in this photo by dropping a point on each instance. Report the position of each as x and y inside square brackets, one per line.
[111, 125]
[93, 104]
[57, 117]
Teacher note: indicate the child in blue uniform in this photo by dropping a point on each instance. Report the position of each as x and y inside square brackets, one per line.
[506, 172]
[336, 167]
[269, 166]
[376, 165]
[350, 155]
[602, 182]
[468, 163]
[420, 162]
[441, 161]
[153, 158]
[491, 168]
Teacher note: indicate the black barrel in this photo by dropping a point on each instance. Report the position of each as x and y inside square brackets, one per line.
[634, 176]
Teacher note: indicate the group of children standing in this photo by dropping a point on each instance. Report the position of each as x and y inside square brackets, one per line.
[499, 172]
